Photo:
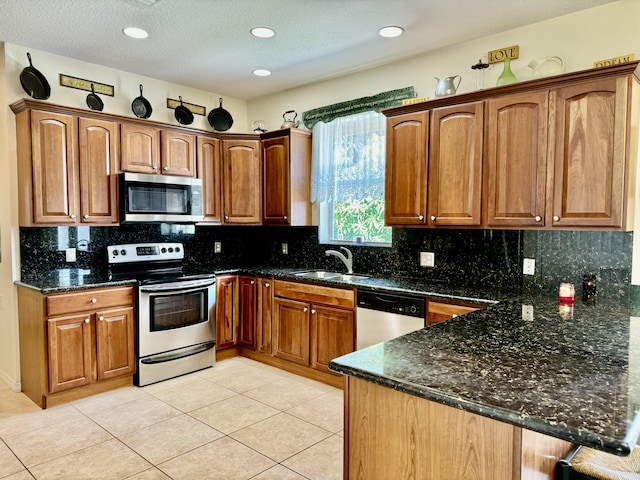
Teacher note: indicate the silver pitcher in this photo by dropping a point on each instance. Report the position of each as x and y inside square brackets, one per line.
[446, 86]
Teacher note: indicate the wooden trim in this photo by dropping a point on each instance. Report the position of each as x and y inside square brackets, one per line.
[340, 297]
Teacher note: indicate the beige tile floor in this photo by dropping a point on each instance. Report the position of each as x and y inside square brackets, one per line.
[238, 420]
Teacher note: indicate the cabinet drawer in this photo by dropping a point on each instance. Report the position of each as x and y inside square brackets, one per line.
[305, 292]
[439, 312]
[89, 300]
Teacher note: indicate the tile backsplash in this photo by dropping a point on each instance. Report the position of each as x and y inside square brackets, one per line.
[473, 258]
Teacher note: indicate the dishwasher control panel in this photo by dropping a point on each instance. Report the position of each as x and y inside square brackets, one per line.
[402, 304]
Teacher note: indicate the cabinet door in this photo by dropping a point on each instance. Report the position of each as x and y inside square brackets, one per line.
[406, 169]
[226, 321]
[115, 342]
[178, 153]
[455, 165]
[590, 151]
[264, 315]
[70, 352]
[276, 181]
[54, 160]
[332, 335]
[140, 146]
[241, 181]
[247, 312]
[99, 150]
[516, 160]
[291, 330]
[209, 171]
[440, 312]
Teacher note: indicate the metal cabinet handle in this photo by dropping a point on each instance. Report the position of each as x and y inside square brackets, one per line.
[313, 312]
[454, 315]
[285, 217]
[556, 218]
[94, 300]
[305, 309]
[87, 320]
[226, 217]
[433, 217]
[252, 282]
[101, 318]
[166, 169]
[538, 218]
[72, 216]
[154, 168]
[86, 217]
[420, 217]
[266, 285]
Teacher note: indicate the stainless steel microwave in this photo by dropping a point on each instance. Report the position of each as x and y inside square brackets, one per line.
[160, 198]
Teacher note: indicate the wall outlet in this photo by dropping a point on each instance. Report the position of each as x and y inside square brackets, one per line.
[527, 313]
[285, 248]
[529, 266]
[70, 255]
[217, 247]
[427, 259]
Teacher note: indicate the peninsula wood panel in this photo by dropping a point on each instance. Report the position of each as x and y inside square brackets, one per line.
[455, 165]
[140, 148]
[391, 434]
[516, 159]
[406, 169]
[590, 151]
[99, 151]
[210, 172]
[178, 153]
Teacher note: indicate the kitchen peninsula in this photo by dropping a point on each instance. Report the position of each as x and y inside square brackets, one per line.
[495, 394]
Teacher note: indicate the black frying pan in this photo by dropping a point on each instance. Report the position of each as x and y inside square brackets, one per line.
[183, 115]
[141, 107]
[94, 102]
[220, 119]
[33, 82]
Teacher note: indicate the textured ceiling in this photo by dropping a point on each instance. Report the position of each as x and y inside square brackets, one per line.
[206, 44]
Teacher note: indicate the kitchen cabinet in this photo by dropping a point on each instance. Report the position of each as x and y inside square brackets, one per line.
[516, 160]
[406, 169]
[455, 165]
[75, 344]
[558, 152]
[241, 181]
[247, 312]
[440, 311]
[149, 149]
[210, 172]
[312, 324]
[65, 164]
[226, 311]
[286, 173]
[264, 313]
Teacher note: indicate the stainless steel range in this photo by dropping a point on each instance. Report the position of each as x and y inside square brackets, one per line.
[176, 310]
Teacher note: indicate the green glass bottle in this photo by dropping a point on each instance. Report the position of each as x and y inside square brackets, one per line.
[507, 76]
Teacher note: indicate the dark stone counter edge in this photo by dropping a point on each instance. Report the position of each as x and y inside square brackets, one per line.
[558, 430]
[70, 288]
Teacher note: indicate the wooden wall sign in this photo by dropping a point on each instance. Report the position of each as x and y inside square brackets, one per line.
[82, 84]
[614, 61]
[497, 56]
[196, 109]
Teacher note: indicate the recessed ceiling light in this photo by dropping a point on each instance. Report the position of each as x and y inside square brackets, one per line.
[261, 72]
[391, 31]
[262, 32]
[135, 32]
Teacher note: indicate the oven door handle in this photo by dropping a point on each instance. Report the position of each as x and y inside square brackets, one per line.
[178, 286]
[183, 353]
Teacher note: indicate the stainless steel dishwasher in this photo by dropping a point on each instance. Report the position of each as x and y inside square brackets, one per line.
[383, 316]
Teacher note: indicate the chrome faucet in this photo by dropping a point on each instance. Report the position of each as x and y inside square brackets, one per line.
[348, 260]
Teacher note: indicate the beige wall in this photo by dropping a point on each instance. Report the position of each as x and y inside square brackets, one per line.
[579, 39]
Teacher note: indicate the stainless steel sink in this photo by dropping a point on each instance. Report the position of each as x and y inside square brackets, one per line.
[324, 275]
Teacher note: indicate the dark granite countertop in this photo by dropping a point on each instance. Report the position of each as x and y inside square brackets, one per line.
[573, 374]
[69, 279]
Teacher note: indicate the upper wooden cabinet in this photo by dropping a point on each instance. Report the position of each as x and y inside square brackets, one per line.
[406, 169]
[286, 173]
[455, 165]
[210, 172]
[65, 166]
[556, 152]
[149, 149]
[241, 181]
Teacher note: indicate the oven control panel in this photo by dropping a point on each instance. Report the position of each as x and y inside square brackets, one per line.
[144, 252]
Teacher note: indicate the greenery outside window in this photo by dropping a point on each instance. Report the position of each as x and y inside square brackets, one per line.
[347, 179]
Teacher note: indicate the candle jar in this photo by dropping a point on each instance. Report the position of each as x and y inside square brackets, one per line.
[567, 293]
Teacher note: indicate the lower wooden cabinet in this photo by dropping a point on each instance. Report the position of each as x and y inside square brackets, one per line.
[440, 312]
[226, 312]
[312, 324]
[247, 312]
[264, 313]
[88, 338]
